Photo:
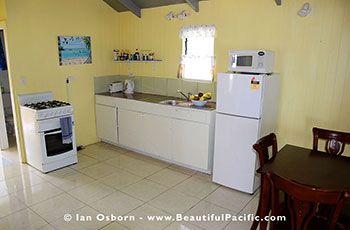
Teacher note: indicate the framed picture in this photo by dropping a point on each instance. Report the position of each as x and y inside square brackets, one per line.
[74, 50]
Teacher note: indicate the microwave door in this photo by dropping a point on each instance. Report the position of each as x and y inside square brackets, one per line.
[233, 61]
[245, 61]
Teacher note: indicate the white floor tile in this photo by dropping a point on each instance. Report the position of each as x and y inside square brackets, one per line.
[3, 192]
[203, 176]
[238, 226]
[99, 153]
[91, 192]
[182, 169]
[114, 226]
[174, 202]
[10, 204]
[251, 207]
[120, 179]
[196, 187]
[113, 147]
[168, 177]
[144, 223]
[99, 170]
[182, 226]
[37, 193]
[47, 227]
[79, 221]
[145, 190]
[83, 162]
[134, 166]
[72, 181]
[24, 219]
[21, 182]
[56, 207]
[207, 209]
[122, 170]
[116, 203]
[50, 176]
[229, 198]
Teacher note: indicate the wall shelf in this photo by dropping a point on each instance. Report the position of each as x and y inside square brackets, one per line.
[136, 61]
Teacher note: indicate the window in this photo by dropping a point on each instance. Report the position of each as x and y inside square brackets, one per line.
[197, 59]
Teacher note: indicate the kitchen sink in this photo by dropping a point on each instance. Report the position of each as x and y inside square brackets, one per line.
[171, 102]
[176, 102]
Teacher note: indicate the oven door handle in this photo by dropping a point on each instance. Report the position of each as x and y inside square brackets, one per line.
[53, 133]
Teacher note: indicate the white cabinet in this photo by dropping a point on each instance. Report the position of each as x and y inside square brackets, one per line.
[185, 142]
[180, 135]
[106, 122]
[145, 132]
[191, 143]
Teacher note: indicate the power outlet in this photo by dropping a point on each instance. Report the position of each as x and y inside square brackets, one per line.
[71, 78]
[23, 81]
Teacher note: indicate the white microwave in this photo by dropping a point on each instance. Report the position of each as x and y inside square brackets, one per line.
[251, 61]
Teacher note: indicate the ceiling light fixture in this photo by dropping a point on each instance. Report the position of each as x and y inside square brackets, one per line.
[305, 10]
[180, 16]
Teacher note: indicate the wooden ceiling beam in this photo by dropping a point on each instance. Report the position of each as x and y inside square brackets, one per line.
[194, 4]
[132, 7]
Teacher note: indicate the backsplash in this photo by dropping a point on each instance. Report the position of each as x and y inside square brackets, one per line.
[160, 86]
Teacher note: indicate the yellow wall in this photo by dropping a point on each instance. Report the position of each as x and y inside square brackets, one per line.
[3, 15]
[33, 27]
[312, 53]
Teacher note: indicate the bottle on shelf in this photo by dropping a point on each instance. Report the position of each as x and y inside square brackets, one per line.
[137, 55]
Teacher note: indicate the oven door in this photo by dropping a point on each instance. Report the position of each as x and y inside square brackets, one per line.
[52, 145]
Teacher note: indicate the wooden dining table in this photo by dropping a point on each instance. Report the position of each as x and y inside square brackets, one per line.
[305, 166]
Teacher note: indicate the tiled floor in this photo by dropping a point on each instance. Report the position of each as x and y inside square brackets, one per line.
[112, 180]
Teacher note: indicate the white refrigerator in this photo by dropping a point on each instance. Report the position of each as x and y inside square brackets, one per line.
[246, 109]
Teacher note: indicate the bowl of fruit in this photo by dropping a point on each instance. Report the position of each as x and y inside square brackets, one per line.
[200, 99]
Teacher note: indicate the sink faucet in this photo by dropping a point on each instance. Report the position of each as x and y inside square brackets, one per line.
[188, 94]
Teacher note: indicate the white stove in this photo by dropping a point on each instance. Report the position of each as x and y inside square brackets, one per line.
[41, 121]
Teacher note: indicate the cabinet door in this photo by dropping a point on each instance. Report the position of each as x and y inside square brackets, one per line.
[157, 135]
[106, 121]
[130, 129]
[190, 143]
[145, 132]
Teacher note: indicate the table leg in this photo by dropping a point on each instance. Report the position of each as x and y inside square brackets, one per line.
[264, 204]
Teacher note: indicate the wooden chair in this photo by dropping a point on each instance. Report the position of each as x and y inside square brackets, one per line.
[301, 205]
[262, 148]
[343, 222]
[335, 141]
[344, 216]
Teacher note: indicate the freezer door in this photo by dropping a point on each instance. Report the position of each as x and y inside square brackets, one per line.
[234, 158]
[239, 94]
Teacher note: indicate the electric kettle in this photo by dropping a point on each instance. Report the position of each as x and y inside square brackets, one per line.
[129, 86]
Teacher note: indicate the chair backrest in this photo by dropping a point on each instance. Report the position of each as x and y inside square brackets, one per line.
[262, 147]
[302, 201]
[335, 141]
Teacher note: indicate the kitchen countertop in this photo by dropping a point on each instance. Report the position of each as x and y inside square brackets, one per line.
[153, 98]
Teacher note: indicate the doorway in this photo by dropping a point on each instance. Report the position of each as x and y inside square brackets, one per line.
[8, 143]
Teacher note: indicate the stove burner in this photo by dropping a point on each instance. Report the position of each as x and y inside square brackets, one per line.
[46, 105]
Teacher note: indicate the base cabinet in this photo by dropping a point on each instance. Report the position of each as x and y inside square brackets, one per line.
[182, 141]
[179, 135]
[106, 122]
